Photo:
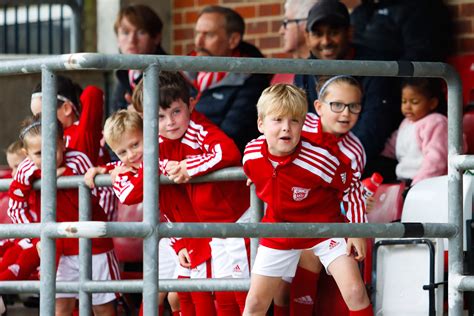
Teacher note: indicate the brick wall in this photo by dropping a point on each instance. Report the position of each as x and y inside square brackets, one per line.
[263, 20]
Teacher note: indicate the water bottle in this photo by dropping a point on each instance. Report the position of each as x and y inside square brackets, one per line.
[370, 185]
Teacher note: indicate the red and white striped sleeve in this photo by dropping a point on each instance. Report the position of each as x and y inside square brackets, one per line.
[19, 209]
[218, 150]
[128, 187]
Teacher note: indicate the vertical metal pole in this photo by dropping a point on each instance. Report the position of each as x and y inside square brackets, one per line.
[150, 189]
[455, 254]
[38, 29]
[48, 191]
[50, 29]
[85, 252]
[17, 32]
[256, 207]
[5, 30]
[28, 35]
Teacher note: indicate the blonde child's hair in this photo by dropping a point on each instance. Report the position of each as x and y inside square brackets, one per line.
[15, 148]
[324, 82]
[282, 99]
[120, 122]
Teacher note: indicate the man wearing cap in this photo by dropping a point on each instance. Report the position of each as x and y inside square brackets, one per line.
[328, 34]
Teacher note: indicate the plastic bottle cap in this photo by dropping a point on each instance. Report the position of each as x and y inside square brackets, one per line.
[377, 178]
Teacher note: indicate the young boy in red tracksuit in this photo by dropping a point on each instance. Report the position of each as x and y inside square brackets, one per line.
[123, 132]
[301, 182]
[192, 146]
[104, 264]
[333, 128]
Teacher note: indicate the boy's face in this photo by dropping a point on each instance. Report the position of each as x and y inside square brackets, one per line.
[129, 148]
[14, 159]
[281, 132]
[132, 40]
[338, 123]
[174, 121]
[33, 150]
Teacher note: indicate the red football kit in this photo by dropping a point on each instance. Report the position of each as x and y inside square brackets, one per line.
[306, 186]
[350, 150]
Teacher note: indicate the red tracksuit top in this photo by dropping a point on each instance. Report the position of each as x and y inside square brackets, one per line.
[85, 136]
[306, 186]
[67, 203]
[352, 151]
[207, 149]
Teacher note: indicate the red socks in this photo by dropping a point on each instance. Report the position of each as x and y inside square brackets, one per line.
[240, 297]
[368, 311]
[203, 303]
[226, 304]
[186, 303]
[303, 292]
[281, 310]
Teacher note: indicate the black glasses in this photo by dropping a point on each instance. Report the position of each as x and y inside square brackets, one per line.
[339, 107]
[288, 21]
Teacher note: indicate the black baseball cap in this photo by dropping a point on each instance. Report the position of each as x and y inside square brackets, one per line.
[330, 11]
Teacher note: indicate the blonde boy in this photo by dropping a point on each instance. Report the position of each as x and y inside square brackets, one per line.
[301, 182]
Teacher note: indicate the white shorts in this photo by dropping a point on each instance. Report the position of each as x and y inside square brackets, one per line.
[283, 263]
[167, 259]
[104, 268]
[230, 257]
[202, 271]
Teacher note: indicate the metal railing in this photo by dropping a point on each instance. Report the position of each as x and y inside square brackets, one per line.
[151, 230]
[40, 26]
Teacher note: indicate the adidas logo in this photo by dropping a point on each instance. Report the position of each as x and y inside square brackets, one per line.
[15, 269]
[237, 268]
[305, 300]
[333, 244]
[344, 177]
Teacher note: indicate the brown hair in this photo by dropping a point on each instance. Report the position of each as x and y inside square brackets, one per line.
[173, 87]
[141, 16]
[15, 147]
[31, 126]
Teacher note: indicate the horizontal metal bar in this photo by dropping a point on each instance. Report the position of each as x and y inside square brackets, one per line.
[463, 162]
[241, 65]
[292, 230]
[129, 286]
[71, 182]
[465, 283]
[302, 230]
[199, 285]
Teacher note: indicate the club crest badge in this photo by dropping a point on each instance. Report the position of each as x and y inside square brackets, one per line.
[299, 194]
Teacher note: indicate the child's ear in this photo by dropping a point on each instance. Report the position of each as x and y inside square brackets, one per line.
[317, 106]
[260, 124]
[192, 104]
[24, 151]
[434, 102]
[66, 108]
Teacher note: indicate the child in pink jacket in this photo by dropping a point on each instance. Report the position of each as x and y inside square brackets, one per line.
[420, 144]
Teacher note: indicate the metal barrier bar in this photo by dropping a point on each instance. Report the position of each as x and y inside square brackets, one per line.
[85, 252]
[49, 136]
[256, 208]
[151, 212]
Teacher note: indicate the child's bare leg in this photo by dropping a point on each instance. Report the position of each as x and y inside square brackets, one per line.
[65, 306]
[259, 298]
[174, 301]
[107, 309]
[347, 276]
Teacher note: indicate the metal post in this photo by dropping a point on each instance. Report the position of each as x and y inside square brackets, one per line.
[48, 191]
[455, 209]
[256, 207]
[150, 189]
[85, 252]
